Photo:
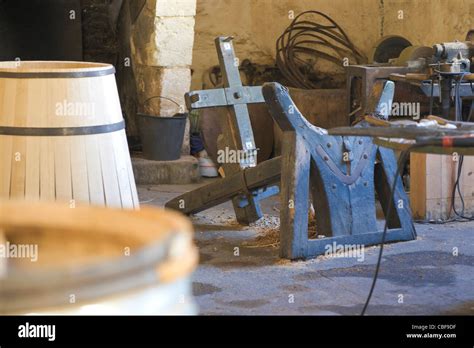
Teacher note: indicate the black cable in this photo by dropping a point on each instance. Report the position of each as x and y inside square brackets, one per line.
[457, 98]
[400, 165]
[457, 186]
[471, 112]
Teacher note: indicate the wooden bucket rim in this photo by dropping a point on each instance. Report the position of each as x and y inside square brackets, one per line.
[54, 69]
[163, 242]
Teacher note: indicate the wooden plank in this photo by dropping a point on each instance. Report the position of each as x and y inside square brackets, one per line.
[7, 115]
[122, 170]
[123, 144]
[418, 184]
[47, 171]
[109, 171]
[32, 181]
[294, 197]
[432, 182]
[36, 109]
[94, 171]
[19, 154]
[417, 77]
[6, 160]
[446, 178]
[62, 169]
[18, 168]
[222, 190]
[80, 180]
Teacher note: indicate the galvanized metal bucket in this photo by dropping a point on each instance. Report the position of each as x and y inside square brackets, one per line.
[162, 137]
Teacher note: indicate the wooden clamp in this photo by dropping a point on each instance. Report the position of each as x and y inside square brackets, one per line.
[339, 172]
[237, 134]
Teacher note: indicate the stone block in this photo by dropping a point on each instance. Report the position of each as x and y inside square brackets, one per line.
[175, 8]
[179, 172]
[163, 41]
[165, 84]
[173, 42]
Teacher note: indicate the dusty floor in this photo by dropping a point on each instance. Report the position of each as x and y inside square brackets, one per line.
[240, 272]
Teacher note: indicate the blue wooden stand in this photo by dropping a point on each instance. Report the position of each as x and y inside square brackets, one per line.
[343, 174]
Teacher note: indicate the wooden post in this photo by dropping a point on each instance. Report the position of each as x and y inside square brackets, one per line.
[294, 196]
[3, 260]
[432, 181]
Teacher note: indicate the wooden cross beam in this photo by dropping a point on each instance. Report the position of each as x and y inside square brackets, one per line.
[237, 132]
[251, 179]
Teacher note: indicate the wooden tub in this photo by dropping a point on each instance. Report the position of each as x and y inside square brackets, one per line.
[91, 260]
[62, 135]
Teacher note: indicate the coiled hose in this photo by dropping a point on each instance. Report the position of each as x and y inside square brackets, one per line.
[306, 39]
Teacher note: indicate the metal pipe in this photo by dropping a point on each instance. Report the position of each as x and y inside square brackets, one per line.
[446, 83]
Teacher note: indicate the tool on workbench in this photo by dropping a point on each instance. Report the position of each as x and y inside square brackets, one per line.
[435, 72]
[436, 134]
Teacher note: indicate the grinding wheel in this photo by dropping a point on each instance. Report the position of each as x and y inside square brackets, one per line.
[413, 53]
[388, 47]
[470, 35]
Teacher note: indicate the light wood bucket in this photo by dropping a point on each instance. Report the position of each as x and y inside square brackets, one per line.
[94, 261]
[62, 135]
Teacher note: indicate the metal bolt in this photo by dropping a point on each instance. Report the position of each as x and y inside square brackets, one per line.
[334, 186]
[365, 156]
[366, 184]
[237, 95]
[329, 145]
[326, 158]
[360, 142]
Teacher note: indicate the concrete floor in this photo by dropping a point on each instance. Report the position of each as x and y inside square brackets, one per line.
[420, 277]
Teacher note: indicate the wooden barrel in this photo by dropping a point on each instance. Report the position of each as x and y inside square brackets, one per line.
[62, 134]
[94, 260]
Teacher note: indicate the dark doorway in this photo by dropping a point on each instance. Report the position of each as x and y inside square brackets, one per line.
[40, 30]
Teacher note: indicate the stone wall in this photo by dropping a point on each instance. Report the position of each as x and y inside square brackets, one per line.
[162, 46]
[166, 38]
[256, 24]
[151, 43]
